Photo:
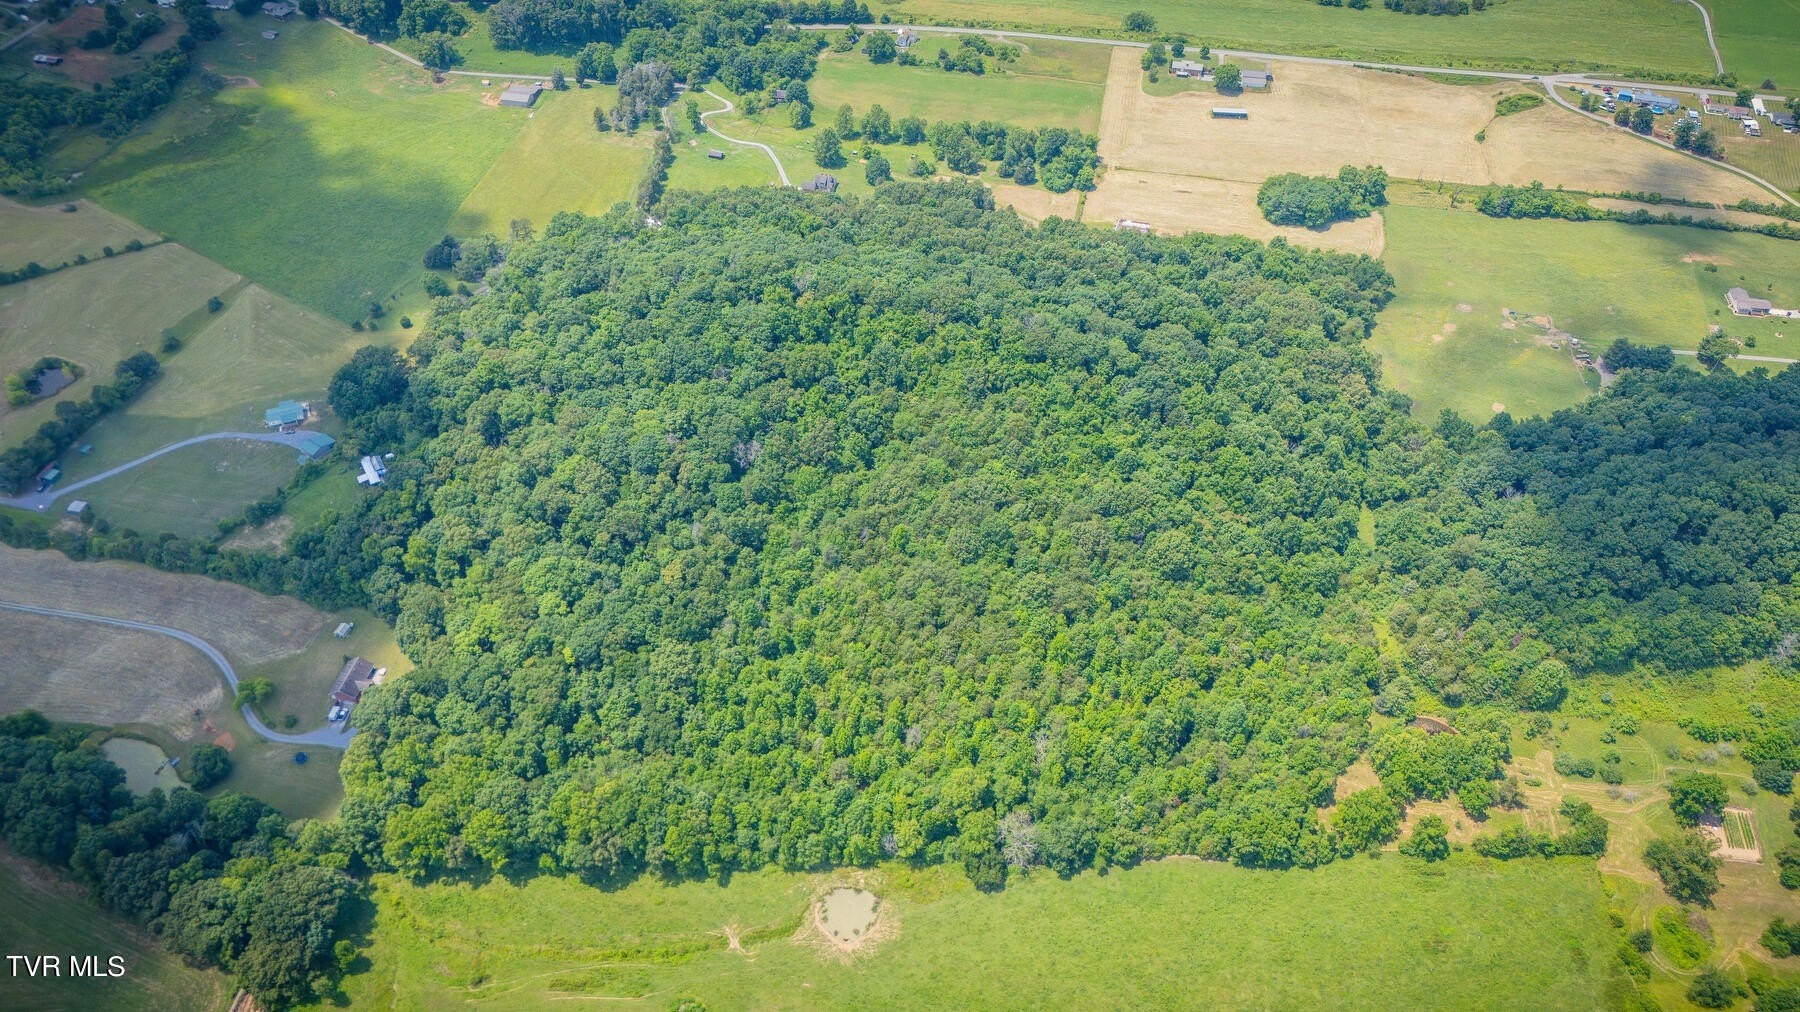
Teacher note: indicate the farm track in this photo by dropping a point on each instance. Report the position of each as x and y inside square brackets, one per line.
[323, 737]
[764, 148]
[39, 501]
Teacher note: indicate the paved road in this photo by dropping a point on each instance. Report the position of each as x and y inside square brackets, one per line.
[779, 170]
[328, 736]
[1744, 358]
[42, 500]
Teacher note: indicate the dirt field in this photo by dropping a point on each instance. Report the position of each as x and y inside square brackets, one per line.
[81, 672]
[249, 627]
[1170, 163]
[1034, 203]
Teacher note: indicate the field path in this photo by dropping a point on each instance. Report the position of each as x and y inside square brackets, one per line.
[1689, 352]
[1706, 19]
[328, 736]
[1118, 106]
[42, 500]
[779, 170]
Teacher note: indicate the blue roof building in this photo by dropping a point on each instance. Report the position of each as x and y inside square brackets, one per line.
[315, 445]
[285, 413]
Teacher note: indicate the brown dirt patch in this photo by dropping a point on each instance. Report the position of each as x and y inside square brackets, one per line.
[1703, 258]
[1178, 204]
[225, 741]
[1499, 407]
[240, 81]
[819, 932]
[271, 536]
[1034, 203]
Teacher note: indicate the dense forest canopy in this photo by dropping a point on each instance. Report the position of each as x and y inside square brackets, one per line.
[816, 532]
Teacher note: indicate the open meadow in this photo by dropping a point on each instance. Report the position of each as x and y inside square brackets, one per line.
[1165, 935]
[49, 235]
[322, 172]
[1052, 84]
[557, 162]
[1449, 340]
[1534, 34]
[47, 914]
[1759, 39]
[189, 491]
[97, 314]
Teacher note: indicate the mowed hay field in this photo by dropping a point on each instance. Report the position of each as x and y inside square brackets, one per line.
[1171, 934]
[557, 162]
[47, 914]
[325, 176]
[1759, 39]
[189, 491]
[97, 314]
[1543, 34]
[90, 674]
[50, 236]
[1180, 203]
[1052, 84]
[1445, 343]
[1314, 119]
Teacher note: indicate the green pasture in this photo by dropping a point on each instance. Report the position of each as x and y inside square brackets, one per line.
[1535, 34]
[1596, 280]
[323, 176]
[46, 914]
[1053, 84]
[97, 314]
[557, 162]
[478, 53]
[50, 235]
[1167, 935]
[189, 491]
[1759, 39]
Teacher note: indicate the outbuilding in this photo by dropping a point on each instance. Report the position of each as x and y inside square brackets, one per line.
[715, 154]
[78, 507]
[219, 5]
[1131, 225]
[1256, 78]
[344, 629]
[314, 446]
[284, 414]
[46, 59]
[373, 471]
[521, 96]
[1226, 112]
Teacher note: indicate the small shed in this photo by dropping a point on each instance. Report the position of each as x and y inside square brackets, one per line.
[78, 507]
[1131, 225]
[716, 154]
[344, 629]
[521, 96]
[46, 59]
[314, 446]
[271, 34]
[280, 10]
[1226, 112]
[778, 96]
[824, 182]
[285, 413]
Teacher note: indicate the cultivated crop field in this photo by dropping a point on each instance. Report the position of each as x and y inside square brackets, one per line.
[1585, 33]
[49, 235]
[1053, 84]
[97, 314]
[1445, 342]
[1168, 934]
[324, 174]
[557, 162]
[45, 913]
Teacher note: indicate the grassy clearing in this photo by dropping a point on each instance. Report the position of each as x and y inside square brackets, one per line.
[49, 235]
[303, 680]
[478, 52]
[325, 179]
[1053, 84]
[96, 315]
[1759, 39]
[189, 491]
[1161, 936]
[1445, 342]
[558, 162]
[46, 914]
[1587, 33]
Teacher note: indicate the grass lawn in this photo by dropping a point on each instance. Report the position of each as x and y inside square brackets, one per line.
[323, 175]
[1775, 156]
[1759, 39]
[97, 314]
[189, 491]
[1053, 84]
[50, 236]
[478, 52]
[557, 162]
[47, 914]
[1618, 34]
[1445, 343]
[1165, 935]
[303, 681]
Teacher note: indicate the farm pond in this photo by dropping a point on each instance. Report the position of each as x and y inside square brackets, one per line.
[142, 762]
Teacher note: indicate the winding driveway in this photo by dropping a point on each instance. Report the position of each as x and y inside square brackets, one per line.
[1706, 19]
[329, 736]
[42, 500]
[779, 170]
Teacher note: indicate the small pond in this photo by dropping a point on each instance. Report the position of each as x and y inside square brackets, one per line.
[142, 763]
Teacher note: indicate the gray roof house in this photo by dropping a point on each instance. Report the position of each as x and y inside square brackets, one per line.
[824, 182]
[358, 675]
[1744, 304]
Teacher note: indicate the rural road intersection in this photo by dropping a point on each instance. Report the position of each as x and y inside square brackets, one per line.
[329, 736]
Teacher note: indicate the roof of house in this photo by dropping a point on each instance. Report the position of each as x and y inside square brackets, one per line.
[1782, 118]
[1191, 66]
[356, 676]
[1652, 98]
[824, 182]
[278, 8]
[77, 507]
[1743, 302]
[285, 413]
[219, 5]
